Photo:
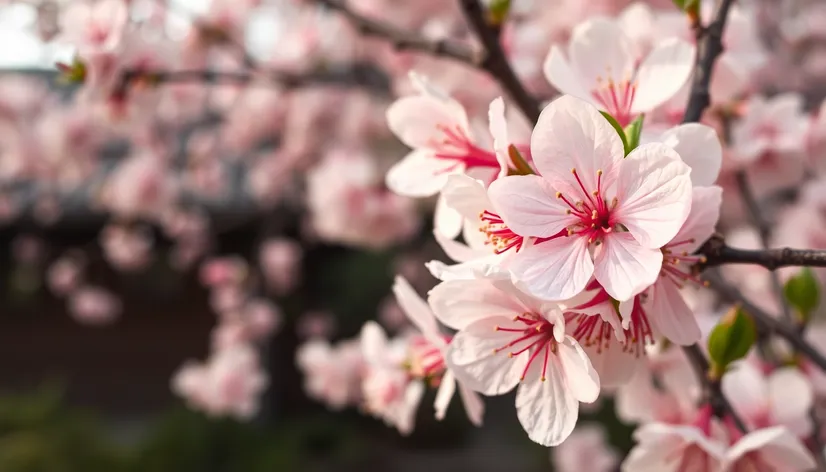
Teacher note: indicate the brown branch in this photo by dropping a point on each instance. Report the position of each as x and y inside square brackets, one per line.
[710, 45]
[712, 388]
[496, 63]
[404, 40]
[718, 253]
[491, 60]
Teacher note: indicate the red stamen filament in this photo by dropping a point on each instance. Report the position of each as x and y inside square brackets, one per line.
[539, 332]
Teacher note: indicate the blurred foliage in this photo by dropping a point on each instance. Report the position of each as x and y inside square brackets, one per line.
[39, 433]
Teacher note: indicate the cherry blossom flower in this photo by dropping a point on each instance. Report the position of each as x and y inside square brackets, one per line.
[437, 128]
[768, 449]
[388, 391]
[602, 67]
[93, 305]
[280, 261]
[593, 211]
[332, 374]
[775, 125]
[663, 448]
[427, 355]
[229, 384]
[507, 338]
[94, 26]
[586, 449]
[780, 398]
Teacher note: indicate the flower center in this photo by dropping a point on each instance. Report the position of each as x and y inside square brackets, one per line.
[678, 264]
[498, 234]
[592, 210]
[457, 146]
[535, 337]
[616, 98]
[425, 361]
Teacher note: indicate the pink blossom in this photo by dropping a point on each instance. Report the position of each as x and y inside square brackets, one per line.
[127, 248]
[280, 261]
[507, 338]
[777, 125]
[586, 449]
[94, 305]
[769, 449]
[64, 275]
[229, 384]
[140, 187]
[332, 374]
[637, 205]
[602, 67]
[94, 26]
[780, 398]
[673, 448]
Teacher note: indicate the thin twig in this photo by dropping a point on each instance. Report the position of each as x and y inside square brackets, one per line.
[718, 253]
[496, 63]
[404, 40]
[710, 44]
[712, 388]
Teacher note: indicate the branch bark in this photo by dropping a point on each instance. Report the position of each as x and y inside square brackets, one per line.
[712, 388]
[718, 253]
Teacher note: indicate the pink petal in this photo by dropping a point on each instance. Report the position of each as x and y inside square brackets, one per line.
[415, 120]
[746, 386]
[373, 342]
[406, 420]
[624, 268]
[416, 309]
[791, 396]
[459, 303]
[554, 270]
[528, 206]
[446, 220]
[580, 376]
[654, 193]
[443, 396]
[474, 406]
[662, 74]
[455, 250]
[699, 147]
[776, 446]
[702, 219]
[471, 357]
[614, 366]
[572, 134]
[547, 409]
[466, 195]
[559, 73]
[670, 316]
[419, 174]
[599, 49]
[499, 130]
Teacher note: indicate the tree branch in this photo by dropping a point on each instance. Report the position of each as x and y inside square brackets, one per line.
[718, 253]
[496, 63]
[492, 60]
[712, 388]
[404, 40]
[710, 44]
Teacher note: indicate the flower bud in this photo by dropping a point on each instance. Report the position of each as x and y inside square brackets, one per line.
[803, 293]
[730, 340]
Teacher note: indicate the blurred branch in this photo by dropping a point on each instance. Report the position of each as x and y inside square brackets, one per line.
[495, 62]
[492, 60]
[404, 40]
[712, 388]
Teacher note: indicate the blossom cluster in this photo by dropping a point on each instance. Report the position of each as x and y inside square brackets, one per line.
[573, 244]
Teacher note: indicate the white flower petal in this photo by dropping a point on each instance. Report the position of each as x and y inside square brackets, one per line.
[623, 267]
[446, 220]
[444, 395]
[459, 303]
[580, 376]
[557, 269]
[529, 207]
[417, 310]
[699, 147]
[419, 174]
[654, 193]
[546, 409]
[662, 74]
[669, 315]
[702, 219]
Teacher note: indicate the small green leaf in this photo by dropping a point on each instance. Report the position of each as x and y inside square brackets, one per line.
[498, 12]
[686, 5]
[521, 166]
[731, 339]
[803, 293]
[632, 133]
[615, 124]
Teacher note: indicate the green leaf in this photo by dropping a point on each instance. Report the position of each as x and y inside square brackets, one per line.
[686, 5]
[803, 292]
[498, 12]
[731, 339]
[615, 124]
[632, 134]
[521, 165]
